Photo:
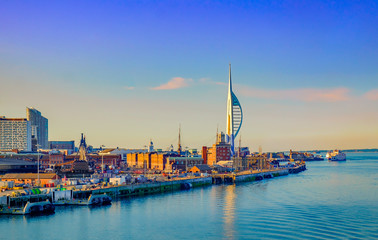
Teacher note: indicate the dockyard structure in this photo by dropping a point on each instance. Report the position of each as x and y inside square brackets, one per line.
[51, 159]
[72, 169]
[201, 168]
[182, 163]
[109, 160]
[30, 178]
[151, 160]
[257, 161]
[132, 159]
[159, 160]
[15, 133]
[144, 160]
[10, 165]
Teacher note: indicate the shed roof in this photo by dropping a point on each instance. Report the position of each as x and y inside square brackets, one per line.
[11, 161]
[28, 176]
[203, 167]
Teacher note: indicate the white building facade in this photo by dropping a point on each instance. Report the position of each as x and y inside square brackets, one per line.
[15, 133]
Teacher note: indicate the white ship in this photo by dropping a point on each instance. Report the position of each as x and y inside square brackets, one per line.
[336, 155]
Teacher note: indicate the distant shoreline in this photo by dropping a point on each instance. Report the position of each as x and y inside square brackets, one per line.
[365, 150]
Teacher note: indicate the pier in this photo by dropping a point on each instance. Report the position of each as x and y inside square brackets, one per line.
[255, 175]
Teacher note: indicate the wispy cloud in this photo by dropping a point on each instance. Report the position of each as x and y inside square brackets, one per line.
[210, 81]
[372, 94]
[129, 88]
[304, 94]
[174, 83]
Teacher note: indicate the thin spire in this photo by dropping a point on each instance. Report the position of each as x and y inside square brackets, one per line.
[229, 78]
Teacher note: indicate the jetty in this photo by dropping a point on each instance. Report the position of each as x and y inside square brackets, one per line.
[256, 175]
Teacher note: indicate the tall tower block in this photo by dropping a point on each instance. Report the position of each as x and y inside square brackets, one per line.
[234, 115]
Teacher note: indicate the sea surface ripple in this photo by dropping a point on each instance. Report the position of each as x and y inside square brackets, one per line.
[328, 201]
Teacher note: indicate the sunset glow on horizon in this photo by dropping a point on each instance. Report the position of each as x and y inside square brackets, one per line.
[126, 72]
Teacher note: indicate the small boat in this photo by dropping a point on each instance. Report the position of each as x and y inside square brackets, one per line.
[336, 155]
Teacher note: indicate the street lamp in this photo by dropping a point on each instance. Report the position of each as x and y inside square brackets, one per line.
[38, 150]
[186, 159]
[102, 160]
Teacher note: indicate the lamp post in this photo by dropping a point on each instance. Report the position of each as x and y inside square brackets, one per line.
[186, 159]
[38, 150]
[102, 160]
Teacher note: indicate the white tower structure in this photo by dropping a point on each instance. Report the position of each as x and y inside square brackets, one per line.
[234, 115]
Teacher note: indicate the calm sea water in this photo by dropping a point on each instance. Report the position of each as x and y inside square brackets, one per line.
[328, 201]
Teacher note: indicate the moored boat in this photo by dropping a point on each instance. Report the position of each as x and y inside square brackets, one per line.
[336, 155]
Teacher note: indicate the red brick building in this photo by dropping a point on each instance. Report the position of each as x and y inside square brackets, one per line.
[221, 151]
[56, 158]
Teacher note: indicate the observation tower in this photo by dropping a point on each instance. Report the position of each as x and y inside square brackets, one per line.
[234, 115]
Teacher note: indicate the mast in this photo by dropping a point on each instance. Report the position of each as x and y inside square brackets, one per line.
[179, 141]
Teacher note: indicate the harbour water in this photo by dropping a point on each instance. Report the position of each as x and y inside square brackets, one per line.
[331, 200]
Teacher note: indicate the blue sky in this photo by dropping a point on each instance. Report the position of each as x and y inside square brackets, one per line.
[305, 72]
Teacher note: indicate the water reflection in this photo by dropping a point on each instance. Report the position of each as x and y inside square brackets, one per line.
[229, 212]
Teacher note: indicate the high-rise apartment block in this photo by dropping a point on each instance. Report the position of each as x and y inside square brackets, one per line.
[39, 126]
[15, 133]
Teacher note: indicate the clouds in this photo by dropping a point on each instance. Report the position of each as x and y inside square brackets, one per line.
[302, 94]
[372, 94]
[328, 95]
[174, 83]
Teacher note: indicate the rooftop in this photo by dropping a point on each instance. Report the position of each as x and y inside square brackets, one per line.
[10, 161]
[28, 176]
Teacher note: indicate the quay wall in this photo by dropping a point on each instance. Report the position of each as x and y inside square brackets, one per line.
[256, 176]
[249, 176]
[150, 188]
[119, 191]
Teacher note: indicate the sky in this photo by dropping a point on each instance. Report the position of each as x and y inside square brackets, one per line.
[125, 72]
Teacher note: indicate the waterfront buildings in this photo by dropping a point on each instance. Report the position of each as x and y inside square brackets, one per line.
[220, 151]
[30, 178]
[183, 163]
[39, 128]
[15, 133]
